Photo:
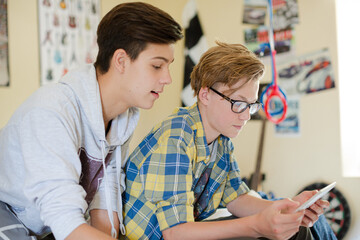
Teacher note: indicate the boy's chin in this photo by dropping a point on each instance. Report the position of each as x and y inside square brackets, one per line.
[146, 106]
[236, 133]
[232, 135]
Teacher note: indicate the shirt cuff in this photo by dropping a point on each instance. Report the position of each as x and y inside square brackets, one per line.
[170, 215]
[234, 192]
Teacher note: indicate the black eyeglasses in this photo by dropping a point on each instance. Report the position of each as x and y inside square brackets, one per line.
[238, 106]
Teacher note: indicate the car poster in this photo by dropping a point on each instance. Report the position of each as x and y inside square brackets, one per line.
[4, 59]
[307, 74]
[255, 12]
[67, 36]
[284, 40]
[290, 127]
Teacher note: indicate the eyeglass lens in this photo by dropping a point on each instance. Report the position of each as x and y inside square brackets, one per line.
[239, 107]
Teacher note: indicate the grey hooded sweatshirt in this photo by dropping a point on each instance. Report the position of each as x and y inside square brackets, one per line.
[53, 153]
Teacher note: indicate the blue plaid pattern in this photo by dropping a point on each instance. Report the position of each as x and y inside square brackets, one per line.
[164, 169]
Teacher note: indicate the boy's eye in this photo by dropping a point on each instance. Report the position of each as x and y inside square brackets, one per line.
[156, 67]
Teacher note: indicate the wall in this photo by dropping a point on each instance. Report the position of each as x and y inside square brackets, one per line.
[23, 56]
[289, 163]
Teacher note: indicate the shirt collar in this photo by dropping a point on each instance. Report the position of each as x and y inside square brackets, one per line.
[203, 152]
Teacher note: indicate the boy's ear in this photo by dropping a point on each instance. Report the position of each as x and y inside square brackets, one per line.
[119, 59]
[204, 95]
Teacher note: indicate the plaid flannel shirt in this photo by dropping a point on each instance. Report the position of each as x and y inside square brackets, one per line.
[163, 170]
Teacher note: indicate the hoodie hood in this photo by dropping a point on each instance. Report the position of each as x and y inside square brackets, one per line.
[90, 101]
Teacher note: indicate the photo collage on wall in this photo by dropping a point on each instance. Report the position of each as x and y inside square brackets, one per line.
[256, 17]
[297, 75]
[67, 30]
[4, 58]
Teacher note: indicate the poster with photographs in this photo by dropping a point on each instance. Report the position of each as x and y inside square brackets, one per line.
[285, 14]
[4, 58]
[67, 30]
[306, 74]
[284, 39]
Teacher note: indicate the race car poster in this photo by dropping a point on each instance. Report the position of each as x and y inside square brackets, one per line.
[307, 74]
[4, 58]
[290, 127]
[67, 36]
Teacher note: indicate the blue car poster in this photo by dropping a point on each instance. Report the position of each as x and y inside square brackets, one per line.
[290, 127]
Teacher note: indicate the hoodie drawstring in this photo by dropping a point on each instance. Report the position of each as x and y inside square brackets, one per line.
[119, 202]
[107, 193]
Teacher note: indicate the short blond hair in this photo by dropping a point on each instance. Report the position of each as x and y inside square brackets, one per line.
[227, 64]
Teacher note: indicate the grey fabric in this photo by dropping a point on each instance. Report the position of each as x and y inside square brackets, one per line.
[10, 227]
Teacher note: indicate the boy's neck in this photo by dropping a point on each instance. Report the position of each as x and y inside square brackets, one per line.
[210, 134]
[111, 103]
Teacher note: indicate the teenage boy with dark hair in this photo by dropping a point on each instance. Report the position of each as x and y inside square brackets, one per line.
[185, 168]
[63, 150]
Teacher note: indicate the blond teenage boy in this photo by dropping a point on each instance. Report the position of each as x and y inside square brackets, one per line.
[185, 169]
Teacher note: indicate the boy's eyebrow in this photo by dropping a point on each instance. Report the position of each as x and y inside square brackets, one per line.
[164, 59]
[242, 98]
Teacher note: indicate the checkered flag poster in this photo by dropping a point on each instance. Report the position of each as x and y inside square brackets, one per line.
[195, 46]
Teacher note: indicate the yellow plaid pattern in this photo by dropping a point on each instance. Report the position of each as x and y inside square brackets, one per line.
[163, 170]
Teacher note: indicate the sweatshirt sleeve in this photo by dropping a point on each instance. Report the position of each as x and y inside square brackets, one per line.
[48, 142]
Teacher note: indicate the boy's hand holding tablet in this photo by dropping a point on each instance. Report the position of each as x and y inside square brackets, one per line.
[313, 208]
[317, 196]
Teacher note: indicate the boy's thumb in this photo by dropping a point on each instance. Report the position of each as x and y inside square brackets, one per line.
[287, 205]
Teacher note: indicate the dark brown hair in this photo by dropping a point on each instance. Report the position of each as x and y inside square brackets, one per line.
[131, 26]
